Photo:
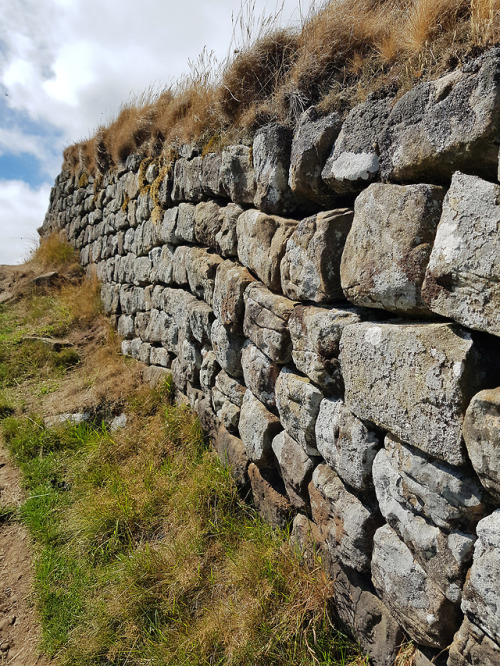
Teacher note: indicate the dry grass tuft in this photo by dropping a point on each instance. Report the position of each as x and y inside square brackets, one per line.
[343, 51]
[55, 253]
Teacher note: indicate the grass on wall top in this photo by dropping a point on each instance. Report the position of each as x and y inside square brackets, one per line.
[343, 51]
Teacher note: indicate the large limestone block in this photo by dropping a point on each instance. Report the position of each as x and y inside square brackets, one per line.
[346, 444]
[269, 497]
[210, 174]
[445, 125]
[414, 380]
[272, 145]
[315, 333]
[184, 228]
[388, 247]
[131, 299]
[231, 280]
[312, 142]
[236, 174]
[415, 600]
[126, 326]
[481, 598]
[207, 223]
[265, 322]
[259, 373]
[201, 268]
[201, 318]
[463, 279]
[354, 162]
[176, 303]
[227, 238]
[310, 270]
[208, 371]
[482, 438]
[227, 348]
[298, 401]
[258, 427]
[408, 508]
[261, 244]
[296, 468]
[187, 185]
[472, 647]
[230, 388]
[347, 523]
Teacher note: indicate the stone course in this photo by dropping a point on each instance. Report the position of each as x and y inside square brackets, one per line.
[326, 298]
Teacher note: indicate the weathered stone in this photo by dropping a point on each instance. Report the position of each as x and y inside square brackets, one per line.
[160, 356]
[201, 318]
[260, 373]
[227, 238]
[261, 244]
[227, 348]
[482, 438]
[414, 599]
[184, 229]
[167, 229]
[201, 267]
[210, 174]
[230, 388]
[354, 162]
[110, 296]
[162, 264]
[388, 247]
[154, 375]
[209, 371]
[237, 175]
[142, 271]
[179, 274]
[207, 223]
[231, 280]
[227, 413]
[272, 145]
[446, 125]
[232, 454]
[131, 299]
[463, 280]
[347, 524]
[409, 507]
[310, 269]
[481, 597]
[414, 380]
[312, 142]
[315, 334]
[258, 427]
[269, 497]
[472, 647]
[346, 444]
[144, 352]
[187, 184]
[188, 362]
[176, 304]
[298, 404]
[265, 322]
[126, 328]
[296, 468]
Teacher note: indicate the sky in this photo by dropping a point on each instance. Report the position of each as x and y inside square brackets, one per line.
[66, 67]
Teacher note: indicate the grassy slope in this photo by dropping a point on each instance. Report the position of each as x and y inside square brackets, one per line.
[145, 553]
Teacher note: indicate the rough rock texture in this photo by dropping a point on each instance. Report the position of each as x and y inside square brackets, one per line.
[259, 373]
[269, 497]
[298, 404]
[227, 348]
[226, 237]
[413, 598]
[296, 468]
[346, 444]
[237, 175]
[411, 492]
[347, 524]
[315, 334]
[463, 280]
[414, 380]
[257, 427]
[312, 142]
[231, 280]
[354, 161]
[445, 125]
[481, 598]
[482, 438]
[261, 244]
[232, 453]
[207, 223]
[388, 247]
[271, 158]
[265, 322]
[472, 647]
[310, 269]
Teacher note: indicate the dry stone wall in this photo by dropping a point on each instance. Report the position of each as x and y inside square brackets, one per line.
[328, 300]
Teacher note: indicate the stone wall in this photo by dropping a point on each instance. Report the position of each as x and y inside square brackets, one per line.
[328, 299]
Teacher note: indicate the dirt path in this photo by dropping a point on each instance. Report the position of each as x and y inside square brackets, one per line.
[19, 631]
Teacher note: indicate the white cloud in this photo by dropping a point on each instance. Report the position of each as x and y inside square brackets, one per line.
[22, 210]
